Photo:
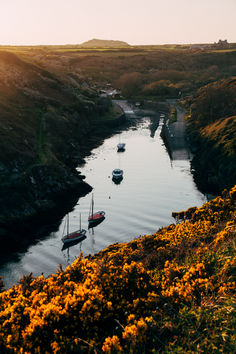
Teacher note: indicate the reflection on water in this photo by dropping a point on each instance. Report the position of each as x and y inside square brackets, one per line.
[67, 256]
[117, 180]
[96, 223]
[153, 187]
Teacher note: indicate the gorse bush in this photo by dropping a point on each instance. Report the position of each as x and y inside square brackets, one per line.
[168, 292]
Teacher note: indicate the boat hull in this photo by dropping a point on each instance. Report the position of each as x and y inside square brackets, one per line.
[96, 218]
[74, 236]
[117, 174]
[72, 243]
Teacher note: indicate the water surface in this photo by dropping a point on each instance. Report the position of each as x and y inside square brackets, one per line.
[153, 186]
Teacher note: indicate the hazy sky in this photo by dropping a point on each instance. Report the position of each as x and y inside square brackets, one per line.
[134, 21]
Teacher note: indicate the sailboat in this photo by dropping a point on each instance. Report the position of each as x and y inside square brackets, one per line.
[75, 235]
[95, 218]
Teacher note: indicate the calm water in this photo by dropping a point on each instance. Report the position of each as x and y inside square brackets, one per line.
[153, 186]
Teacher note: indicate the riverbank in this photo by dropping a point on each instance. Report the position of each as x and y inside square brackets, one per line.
[152, 187]
[41, 192]
[211, 127]
[50, 119]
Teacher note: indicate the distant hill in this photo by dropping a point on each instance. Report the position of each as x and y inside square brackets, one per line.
[101, 43]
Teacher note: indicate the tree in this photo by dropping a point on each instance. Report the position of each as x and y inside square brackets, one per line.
[130, 84]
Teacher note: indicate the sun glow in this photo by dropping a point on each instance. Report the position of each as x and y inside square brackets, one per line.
[26, 22]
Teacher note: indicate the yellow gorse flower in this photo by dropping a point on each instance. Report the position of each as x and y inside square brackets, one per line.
[125, 298]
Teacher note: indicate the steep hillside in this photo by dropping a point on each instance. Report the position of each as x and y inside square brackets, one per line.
[214, 101]
[170, 292]
[43, 118]
[33, 100]
[212, 132]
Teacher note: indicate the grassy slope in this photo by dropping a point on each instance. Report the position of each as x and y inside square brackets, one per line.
[222, 133]
[212, 130]
[215, 160]
[185, 70]
[32, 100]
[44, 113]
[172, 291]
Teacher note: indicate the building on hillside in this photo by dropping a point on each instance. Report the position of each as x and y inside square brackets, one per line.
[222, 44]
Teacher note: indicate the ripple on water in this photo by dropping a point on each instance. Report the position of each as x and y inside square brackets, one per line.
[151, 189]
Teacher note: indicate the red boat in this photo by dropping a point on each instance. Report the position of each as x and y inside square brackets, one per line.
[95, 218]
[75, 235]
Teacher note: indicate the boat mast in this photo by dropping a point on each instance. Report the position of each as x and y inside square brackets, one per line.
[92, 204]
[80, 221]
[67, 224]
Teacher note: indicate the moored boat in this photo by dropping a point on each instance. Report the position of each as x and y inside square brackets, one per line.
[117, 173]
[121, 147]
[95, 218]
[75, 235]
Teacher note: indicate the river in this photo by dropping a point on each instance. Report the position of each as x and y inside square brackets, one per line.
[152, 187]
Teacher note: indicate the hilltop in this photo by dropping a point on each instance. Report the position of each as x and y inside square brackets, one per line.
[103, 43]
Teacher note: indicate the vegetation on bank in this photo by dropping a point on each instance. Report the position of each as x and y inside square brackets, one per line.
[44, 116]
[212, 132]
[156, 72]
[172, 292]
[43, 111]
[139, 71]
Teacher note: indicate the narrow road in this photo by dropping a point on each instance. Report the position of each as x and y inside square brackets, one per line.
[176, 135]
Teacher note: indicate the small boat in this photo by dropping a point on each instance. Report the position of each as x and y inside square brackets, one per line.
[95, 218]
[75, 235]
[121, 147]
[117, 173]
[67, 245]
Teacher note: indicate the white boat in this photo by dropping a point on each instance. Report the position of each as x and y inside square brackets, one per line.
[75, 235]
[117, 173]
[121, 147]
[95, 218]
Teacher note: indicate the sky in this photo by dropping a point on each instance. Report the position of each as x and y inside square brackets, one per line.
[44, 22]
